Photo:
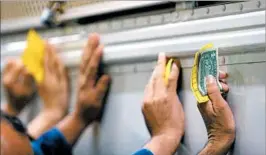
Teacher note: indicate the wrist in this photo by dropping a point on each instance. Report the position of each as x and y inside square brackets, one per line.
[163, 143]
[59, 105]
[215, 147]
[53, 114]
[77, 115]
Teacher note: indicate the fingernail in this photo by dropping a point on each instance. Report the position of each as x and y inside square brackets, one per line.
[222, 72]
[174, 66]
[161, 54]
[210, 79]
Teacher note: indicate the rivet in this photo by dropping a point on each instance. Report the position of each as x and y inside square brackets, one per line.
[135, 69]
[207, 10]
[241, 7]
[192, 12]
[224, 7]
[258, 4]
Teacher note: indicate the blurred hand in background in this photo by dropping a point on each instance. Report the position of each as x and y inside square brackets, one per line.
[54, 91]
[19, 86]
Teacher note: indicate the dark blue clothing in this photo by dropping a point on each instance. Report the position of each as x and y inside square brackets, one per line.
[52, 142]
[143, 152]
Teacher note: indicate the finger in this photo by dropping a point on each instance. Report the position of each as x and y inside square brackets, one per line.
[67, 79]
[55, 62]
[48, 59]
[225, 87]
[9, 64]
[15, 72]
[61, 70]
[92, 68]
[222, 75]
[153, 75]
[160, 66]
[102, 86]
[7, 73]
[158, 75]
[93, 42]
[148, 92]
[173, 78]
[214, 92]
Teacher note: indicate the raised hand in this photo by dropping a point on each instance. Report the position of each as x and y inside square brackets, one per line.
[91, 92]
[163, 111]
[19, 86]
[218, 118]
[54, 91]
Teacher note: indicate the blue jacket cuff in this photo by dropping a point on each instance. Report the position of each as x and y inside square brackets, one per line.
[51, 142]
[143, 152]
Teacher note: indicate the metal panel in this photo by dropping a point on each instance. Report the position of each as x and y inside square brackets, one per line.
[228, 32]
[122, 130]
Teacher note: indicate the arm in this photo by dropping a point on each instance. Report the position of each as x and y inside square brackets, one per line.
[54, 91]
[88, 104]
[163, 111]
[218, 119]
[90, 92]
[72, 127]
[44, 121]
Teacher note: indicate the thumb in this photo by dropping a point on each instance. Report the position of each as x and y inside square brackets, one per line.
[214, 91]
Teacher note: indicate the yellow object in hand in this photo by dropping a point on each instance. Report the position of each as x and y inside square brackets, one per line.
[194, 76]
[33, 56]
[168, 70]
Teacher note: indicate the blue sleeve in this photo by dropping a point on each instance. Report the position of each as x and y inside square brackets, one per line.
[52, 142]
[143, 152]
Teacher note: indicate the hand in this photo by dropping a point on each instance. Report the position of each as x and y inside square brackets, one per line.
[218, 118]
[54, 89]
[162, 109]
[90, 92]
[19, 86]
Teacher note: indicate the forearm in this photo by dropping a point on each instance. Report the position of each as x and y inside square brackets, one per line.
[71, 127]
[163, 144]
[44, 121]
